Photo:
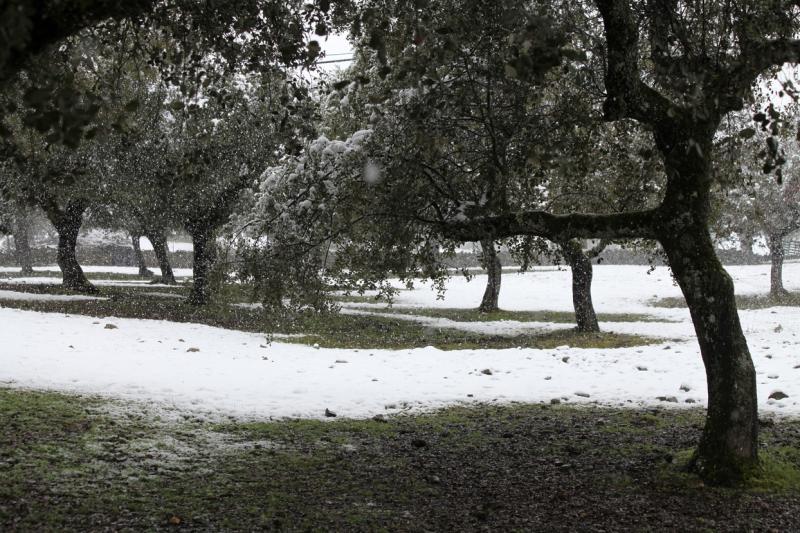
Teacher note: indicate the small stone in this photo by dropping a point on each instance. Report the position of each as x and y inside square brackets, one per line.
[470, 395]
[174, 520]
[95, 322]
[667, 347]
[768, 356]
[773, 376]
[685, 388]
[778, 395]
[548, 378]
[374, 379]
[670, 399]
[340, 361]
[565, 359]
[778, 329]
[486, 371]
[555, 401]
[181, 340]
[329, 413]
[109, 326]
[641, 368]
[582, 394]
[193, 349]
[380, 418]
[689, 400]
[418, 443]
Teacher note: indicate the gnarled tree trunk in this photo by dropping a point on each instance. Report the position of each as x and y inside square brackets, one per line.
[22, 245]
[728, 449]
[204, 256]
[776, 252]
[68, 223]
[494, 271]
[137, 252]
[159, 242]
[585, 316]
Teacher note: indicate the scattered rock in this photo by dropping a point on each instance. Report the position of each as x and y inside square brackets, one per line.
[329, 413]
[181, 340]
[689, 400]
[768, 356]
[670, 399]
[470, 395]
[548, 378]
[380, 418]
[174, 520]
[641, 368]
[773, 376]
[778, 395]
[109, 326]
[565, 359]
[582, 394]
[374, 379]
[340, 361]
[778, 329]
[193, 349]
[486, 371]
[685, 387]
[95, 322]
[667, 347]
[418, 443]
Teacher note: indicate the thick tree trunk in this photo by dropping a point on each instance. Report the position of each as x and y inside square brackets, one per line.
[494, 270]
[137, 252]
[22, 246]
[728, 449]
[585, 316]
[68, 223]
[776, 289]
[204, 255]
[159, 242]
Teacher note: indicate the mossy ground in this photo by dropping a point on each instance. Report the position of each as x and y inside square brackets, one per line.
[331, 330]
[85, 464]
[743, 301]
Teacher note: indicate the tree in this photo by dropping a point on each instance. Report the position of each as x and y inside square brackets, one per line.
[755, 203]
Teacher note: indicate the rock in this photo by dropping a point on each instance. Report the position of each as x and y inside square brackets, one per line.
[418, 443]
[778, 395]
[174, 521]
[667, 347]
[109, 326]
[670, 399]
[689, 400]
[193, 349]
[582, 394]
[380, 418]
[548, 378]
[685, 387]
[470, 395]
[340, 361]
[316, 346]
[329, 413]
[773, 376]
[565, 359]
[778, 329]
[486, 371]
[641, 368]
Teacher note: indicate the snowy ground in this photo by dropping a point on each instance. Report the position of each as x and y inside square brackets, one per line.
[224, 372]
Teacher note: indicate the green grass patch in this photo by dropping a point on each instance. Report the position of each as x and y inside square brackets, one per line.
[72, 463]
[474, 315]
[743, 301]
[330, 330]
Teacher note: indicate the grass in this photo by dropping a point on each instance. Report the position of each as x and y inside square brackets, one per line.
[84, 464]
[116, 276]
[474, 315]
[743, 301]
[328, 330]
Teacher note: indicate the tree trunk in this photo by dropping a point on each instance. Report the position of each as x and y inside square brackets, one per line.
[68, 223]
[581, 266]
[776, 289]
[494, 270]
[22, 246]
[137, 252]
[204, 255]
[159, 242]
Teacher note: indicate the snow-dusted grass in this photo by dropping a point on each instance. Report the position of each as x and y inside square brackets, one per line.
[229, 372]
[33, 297]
